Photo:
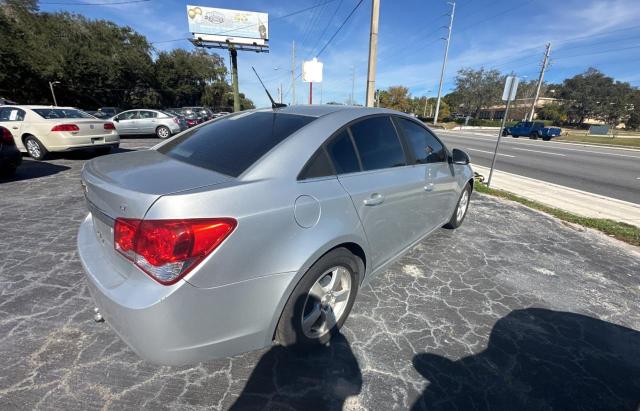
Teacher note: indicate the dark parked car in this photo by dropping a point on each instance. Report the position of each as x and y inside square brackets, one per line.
[204, 113]
[532, 129]
[195, 112]
[10, 157]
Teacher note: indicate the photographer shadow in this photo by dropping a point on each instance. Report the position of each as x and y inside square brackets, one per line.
[303, 378]
[539, 359]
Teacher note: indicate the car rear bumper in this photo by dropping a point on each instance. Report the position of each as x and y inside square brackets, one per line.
[59, 143]
[181, 324]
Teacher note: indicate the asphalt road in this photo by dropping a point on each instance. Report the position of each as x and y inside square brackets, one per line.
[512, 311]
[606, 171]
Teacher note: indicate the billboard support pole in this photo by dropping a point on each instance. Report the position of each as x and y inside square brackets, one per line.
[234, 79]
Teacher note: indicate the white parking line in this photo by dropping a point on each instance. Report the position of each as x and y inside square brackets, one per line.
[537, 151]
[488, 152]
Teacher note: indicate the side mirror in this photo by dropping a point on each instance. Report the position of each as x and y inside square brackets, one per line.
[459, 157]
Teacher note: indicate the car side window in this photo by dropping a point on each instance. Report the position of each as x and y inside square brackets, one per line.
[129, 115]
[342, 153]
[11, 114]
[377, 143]
[424, 146]
[318, 166]
[147, 114]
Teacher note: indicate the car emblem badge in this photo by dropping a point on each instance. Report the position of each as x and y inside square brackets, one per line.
[123, 208]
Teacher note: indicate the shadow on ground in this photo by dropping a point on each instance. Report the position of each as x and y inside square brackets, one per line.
[34, 169]
[539, 359]
[298, 377]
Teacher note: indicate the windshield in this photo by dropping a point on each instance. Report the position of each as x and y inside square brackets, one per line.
[232, 144]
[52, 113]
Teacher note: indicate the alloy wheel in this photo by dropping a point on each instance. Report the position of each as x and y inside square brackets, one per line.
[462, 205]
[326, 302]
[33, 148]
[163, 132]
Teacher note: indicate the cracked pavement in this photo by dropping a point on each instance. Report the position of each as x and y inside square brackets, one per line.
[514, 310]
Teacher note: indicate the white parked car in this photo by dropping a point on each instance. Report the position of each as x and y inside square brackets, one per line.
[38, 130]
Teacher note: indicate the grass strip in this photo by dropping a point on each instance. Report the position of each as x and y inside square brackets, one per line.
[622, 142]
[622, 231]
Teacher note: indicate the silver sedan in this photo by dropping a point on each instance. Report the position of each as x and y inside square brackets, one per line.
[139, 122]
[261, 226]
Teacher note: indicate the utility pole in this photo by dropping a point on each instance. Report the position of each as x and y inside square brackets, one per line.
[280, 93]
[545, 63]
[293, 73]
[353, 84]
[444, 62]
[234, 79]
[373, 52]
[321, 83]
[51, 84]
[424, 112]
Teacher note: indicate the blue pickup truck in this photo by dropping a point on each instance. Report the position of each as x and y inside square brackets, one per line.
[532, 129]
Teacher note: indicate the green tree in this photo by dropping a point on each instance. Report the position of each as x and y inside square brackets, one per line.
[555, 112]
[396, 98]
[476, 89]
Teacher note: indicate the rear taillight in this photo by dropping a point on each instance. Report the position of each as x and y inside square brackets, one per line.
[168, 249]
[6, 137]
[109, 126]
[65, 127]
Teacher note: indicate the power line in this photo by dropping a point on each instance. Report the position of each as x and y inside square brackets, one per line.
[324, 31]
[597, 52]
[94, 4]
[339, 28]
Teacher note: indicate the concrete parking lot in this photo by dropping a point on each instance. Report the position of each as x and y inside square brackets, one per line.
[514, 310]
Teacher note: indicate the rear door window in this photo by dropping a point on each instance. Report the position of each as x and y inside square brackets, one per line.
[232, 144]
[378, 143]
[343, 154]
[424, 146]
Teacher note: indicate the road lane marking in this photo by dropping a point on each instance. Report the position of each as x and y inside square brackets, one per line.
[554, 147]
[537, 151]
[489, 152]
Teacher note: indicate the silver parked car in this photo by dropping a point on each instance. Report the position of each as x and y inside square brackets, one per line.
[260, 226]
[138, 122]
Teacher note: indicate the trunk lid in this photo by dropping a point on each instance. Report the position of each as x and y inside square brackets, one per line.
[127, 185]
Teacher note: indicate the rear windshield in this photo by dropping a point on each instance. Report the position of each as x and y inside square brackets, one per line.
[230, 145]
[50, 113]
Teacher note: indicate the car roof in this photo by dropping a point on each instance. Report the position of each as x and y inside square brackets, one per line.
[317, 110]
[31, 107]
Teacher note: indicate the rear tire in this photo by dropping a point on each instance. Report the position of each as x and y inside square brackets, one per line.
[35, 148]
[546, 138]
[321, 302]
[104, 150]
[163, 132]
[533, 136]
[460, 211]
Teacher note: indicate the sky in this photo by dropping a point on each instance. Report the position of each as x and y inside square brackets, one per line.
[508, 35]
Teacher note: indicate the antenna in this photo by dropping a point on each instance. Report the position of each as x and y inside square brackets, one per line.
[273, 103]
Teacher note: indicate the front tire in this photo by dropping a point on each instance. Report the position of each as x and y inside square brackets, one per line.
[35, 148]
[321, 301]
[460, 211]
[163, 132]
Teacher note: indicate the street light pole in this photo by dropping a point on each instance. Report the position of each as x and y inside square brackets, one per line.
[51, 83]
[444, 62]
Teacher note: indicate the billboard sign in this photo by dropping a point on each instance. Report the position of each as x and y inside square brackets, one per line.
[225, 23]
[312, 71]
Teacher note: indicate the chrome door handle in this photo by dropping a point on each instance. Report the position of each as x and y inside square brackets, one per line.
[14, 127]
[375, 199]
